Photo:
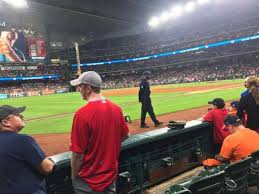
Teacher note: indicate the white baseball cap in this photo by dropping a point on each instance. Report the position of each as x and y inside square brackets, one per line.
[90, 78]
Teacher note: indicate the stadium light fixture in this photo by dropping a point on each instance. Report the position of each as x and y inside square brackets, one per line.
[154, 22]
[177, 11]
[17, 3]
[165, 16]
[190, 6]
[203, 2]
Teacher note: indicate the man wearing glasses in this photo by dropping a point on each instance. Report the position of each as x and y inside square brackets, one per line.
[22, 162]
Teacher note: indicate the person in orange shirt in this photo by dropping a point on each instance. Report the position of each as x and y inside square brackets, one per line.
[232, 109]
[240, 143]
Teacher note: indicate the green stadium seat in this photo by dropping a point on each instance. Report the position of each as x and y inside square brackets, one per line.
[179, 192]
[60, 181]
[178, 189]
[211, 184]
[237, 173]
[253, 178]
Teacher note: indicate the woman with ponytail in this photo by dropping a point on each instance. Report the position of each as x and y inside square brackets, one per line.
[250, 104]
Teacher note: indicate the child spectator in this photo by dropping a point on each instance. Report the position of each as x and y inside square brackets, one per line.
[216, 117]
[232, 109]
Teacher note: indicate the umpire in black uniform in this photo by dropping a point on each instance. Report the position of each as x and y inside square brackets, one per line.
[144, 98]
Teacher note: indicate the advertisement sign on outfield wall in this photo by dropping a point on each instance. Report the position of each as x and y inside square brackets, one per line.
[3, 96]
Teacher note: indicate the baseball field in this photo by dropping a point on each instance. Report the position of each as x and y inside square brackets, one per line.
[54, 113]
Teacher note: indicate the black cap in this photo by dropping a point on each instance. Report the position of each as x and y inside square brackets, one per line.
[231, 120]
[7, 110]
[235, 104]
[219, 102]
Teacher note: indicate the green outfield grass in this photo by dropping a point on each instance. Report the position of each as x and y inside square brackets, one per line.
[42, 106]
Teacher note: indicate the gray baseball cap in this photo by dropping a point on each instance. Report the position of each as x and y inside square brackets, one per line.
[7, 110]
[90, 78]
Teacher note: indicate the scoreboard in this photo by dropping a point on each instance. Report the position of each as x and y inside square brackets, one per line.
[36, 48]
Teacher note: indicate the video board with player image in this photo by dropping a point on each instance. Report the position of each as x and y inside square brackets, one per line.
[12, 46]
[15, 47]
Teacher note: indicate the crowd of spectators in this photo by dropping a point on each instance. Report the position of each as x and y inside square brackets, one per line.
[234, 50]
[182, 74]
[170, 45]
[34, 88]
[23, 71]
[171, 74]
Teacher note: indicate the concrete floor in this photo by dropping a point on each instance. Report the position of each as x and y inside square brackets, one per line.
[253, 190]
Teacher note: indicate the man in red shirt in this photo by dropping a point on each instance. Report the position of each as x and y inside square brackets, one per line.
[97, 131]
[216, 117]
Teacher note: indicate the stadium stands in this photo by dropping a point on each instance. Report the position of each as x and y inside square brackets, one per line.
[211, 70]
[182, 74]
[145, 44]
[162, 40]
[27, 80]
[24, 70]
[34, 89]
[228, 62]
